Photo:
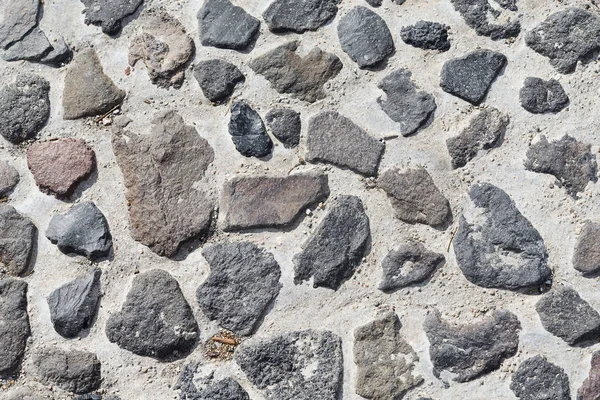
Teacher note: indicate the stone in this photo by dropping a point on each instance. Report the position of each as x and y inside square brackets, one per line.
[24, 108]
[243, 281]
[484, 131]
[335, 139]
[335, 249]
[415, 197]
[74, 370]
[224, 389]
[471, 76]
[59, 166]
[565, 314]
[488, 20]
[299, 16]
[385, 361]
[465, 352]
[539, 96]
[410, 264]
[586, 257]
[155, 320]
[60, 53]
[571, 162]
[590, 389]
[496, 246]
[536, 378]
[577, 31]
[248, 131]
[109, 14]
[302, 78]
[74, 305]
[88, 90]
[365, 37]
[164, 47]
[285, 125]
[226, 26]
[19, 17]
[375, 3]
[32, 47]
[217, 79]
[403, 104]
[18, 236]
[14, 325]
[426, 35]
[270, 201]
[9, 178]
[160, 170]
[301, 365]
[82, 230]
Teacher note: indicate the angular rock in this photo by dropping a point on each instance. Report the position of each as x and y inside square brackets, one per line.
[60, 53]
[73, 306]
[285, 125]
[19, 17]
[302, 78]
[225, 389]
[217, 79]
[302, 365]
[590, 389]
[415, 198]
[539, 96]
[336, 248]
[226, 26]
[243, 280]
[478, 13]
[18, 236]
[536, 378]
[82, 230]
[59, 166]
[74, 371]
[586, 257]
[471, 350]
[408, 265]
[32, 47]
[471, 76]
[9, 178]
[155, 320]
[269, 201]
[384, 359]
[365, 37]
[571, 162]
[160, 170]
[248, 131]
[299, 15]
[403, 103]
[24, 108]
[88, 90]
[485, 131]
[14, 325]
[109, 14]
[335, 139]
[426, 35]
[496, 246]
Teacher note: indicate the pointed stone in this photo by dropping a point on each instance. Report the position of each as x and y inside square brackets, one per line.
[408, 265]
[537, 378]
[217, 79]
[74, 371]
[285, 125]
[14, 325]
[299, 16]
[9, 178]
[226, 26]
[18, 236]
[109, 15]
[248, 131]
[487, 20]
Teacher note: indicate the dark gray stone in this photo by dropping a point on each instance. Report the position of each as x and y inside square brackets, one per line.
[278, 365]
[75, 371]
[375, 3]
[60, 54]
[9, 178]
[539, 96]
[586, 257]
[14, 325]
[426, 35]
[408, 265]
[17, 241]
[36, 47]
[538, 379]
[217, 79]
[248, 131]
[496, 246]
[19, 18]
[225, 389]
[226, 26]
[299, 15]
[590, 389]
[471, 76]
[336, 248]
[109, 14]
[469, 351]
[285, 124]
[478, 13]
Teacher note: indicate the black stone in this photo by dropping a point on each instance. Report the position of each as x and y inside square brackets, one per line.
[226, 26]
[426, 35]
[75, 371]
[477, 13]
[248, 131]
[108, 14]
[408, 265]
[299, 15]
[537, 379]
[285, 124]
[14, 325]
[18, 236]
[217, 79]
[539, 96]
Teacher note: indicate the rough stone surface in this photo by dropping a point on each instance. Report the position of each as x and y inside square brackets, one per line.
[165, 210]
[75, 371]
[32, 47]
[335, 139]
[427, 35]
[19, 17]
[471, 350]
[109, 14]
[248, 131]
[226, 26]
[336, 248]
[279, 365]
[217, 79]
[285, 125]
[243, 280]
[539, 96]
[590, 389]
[9, 178]
[18, 236]
[155, 320]
[224, 389]
[496, 246]
[408, 265]
[471, 76]
[299, 15]
[14, 325]
[586, 257]
[302, 78]
[536, 379]
[488, 20]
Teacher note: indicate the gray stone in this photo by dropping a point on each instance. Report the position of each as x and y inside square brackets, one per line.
[60, 54]
[9, 178]
[270, 201]
[485, 131]
[285, 125]
[571, 162]
[365, 37]
[426, 35]
[375, 3]
[24, 108]
[155, 320]
[478, 13]
[471, 76]
[471, 350]
[225, 389]
[73, 306]
[335, 139]
[243, 280]
[538, 379]
[248, 131]
[336, 248]
[278, 365]
[14, 325]
[82, 230]
[408, 265]
[75, 371]
[302, 78]
[299, 15]
[384, 359]
[415, 198]
[109, 14]
[586, 257]
[18, 236]
[33, 47]
[217, 79]
[19, 17]
[165, 209]
[539, 96]
[403, 104]
[226, 26]
[590, 389]
[496, 246]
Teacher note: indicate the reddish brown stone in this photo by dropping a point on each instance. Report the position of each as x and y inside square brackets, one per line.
[590, 390]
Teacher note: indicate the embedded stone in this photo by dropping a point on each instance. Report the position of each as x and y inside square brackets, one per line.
[408, 265]
[375, 3]
[537, 378]
[248, 131]
[18, 236]
[74, 371]
[109, 14]
[590, 389]
[226, 26]
[299, 15]
[426, 35]
[9, 178]
[19, 17]
[194, 387]
[285, 125]
[32, 47]
[488, 20]
[586, 257]
[539, 96]
[14, 325]
[217, 79]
